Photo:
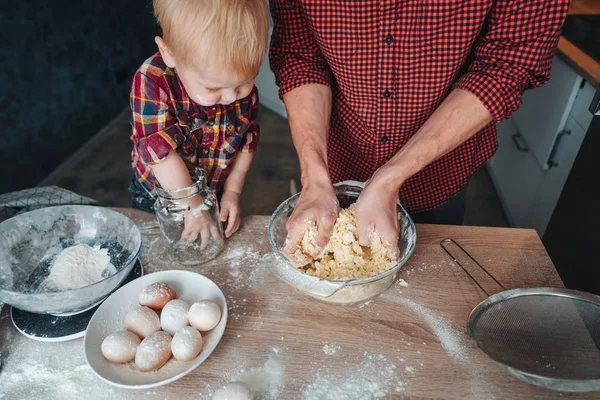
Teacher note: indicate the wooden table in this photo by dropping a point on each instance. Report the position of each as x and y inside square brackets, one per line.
[409, 342]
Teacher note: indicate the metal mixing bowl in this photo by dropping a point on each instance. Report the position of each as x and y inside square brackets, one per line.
[337, 291]
[29, 243]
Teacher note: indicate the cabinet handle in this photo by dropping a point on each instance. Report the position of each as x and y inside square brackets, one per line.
[517, 138]
[551, 162]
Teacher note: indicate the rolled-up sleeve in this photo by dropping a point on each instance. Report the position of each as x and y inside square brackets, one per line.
[514, 54]
[294, 56]
[251, 136]
[155, 128]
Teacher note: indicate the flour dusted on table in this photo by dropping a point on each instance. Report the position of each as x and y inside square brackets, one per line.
[78, 266]
[343, 258]
[374, 377]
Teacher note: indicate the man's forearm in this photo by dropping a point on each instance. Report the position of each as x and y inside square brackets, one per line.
[460, 116]
[237, 176]
[309, 110]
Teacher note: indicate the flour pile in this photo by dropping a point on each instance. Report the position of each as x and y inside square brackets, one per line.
[78, 266]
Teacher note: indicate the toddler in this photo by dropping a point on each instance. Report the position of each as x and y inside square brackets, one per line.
[194, 104]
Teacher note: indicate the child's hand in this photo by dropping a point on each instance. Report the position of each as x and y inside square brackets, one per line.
[198, 222]
[230, 211]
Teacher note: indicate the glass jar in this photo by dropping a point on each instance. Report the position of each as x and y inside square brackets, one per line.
[189, 220]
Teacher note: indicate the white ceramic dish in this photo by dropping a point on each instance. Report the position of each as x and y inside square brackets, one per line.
[108, 318]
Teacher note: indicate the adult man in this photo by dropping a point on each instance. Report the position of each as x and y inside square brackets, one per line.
[402, 94]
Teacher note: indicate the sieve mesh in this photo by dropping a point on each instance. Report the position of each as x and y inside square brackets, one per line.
[535, 331]
[548, 337]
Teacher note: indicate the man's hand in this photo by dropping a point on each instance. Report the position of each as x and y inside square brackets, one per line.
[376, 211]
[230, 211]
[460, 116]
[309, 108]
[316, 204]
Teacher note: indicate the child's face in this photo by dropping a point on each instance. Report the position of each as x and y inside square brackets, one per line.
[212, 86]
[209, 85]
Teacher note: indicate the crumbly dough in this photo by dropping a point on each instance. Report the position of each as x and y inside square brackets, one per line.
[343, 258]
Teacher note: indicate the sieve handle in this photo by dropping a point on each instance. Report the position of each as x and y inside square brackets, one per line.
[460, 256]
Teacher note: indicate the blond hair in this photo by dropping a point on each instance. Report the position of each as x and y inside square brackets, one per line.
[231, 33]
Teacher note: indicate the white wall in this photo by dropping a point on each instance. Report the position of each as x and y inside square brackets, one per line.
[267, 90]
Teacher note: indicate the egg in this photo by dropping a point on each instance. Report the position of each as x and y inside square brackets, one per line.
[186, 344]
[174, 316]
[153, 352]
[120, 347]
[142, 321]
[157, 295]
[204, 315]
[234, 391]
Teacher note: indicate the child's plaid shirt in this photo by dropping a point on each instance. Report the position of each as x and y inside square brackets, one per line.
[165, 118]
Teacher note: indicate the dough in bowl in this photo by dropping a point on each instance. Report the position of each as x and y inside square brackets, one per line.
[343, 258]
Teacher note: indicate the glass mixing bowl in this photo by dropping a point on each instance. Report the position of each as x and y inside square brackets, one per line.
[29, 243]
[337, 291]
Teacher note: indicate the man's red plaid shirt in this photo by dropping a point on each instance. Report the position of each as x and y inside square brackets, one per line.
[391, 63]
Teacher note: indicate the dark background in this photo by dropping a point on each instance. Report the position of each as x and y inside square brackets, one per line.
[66, 69]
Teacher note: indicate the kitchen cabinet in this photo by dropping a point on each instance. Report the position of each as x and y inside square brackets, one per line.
[516, 175]
[545, 110]
[554, 179]
[538, 145]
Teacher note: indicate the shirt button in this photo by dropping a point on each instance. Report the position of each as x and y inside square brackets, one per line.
[387, 94]
[389, 39]
[384, 139]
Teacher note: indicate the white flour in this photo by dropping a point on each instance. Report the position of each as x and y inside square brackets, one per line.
[449, 338]
[374, 378]
[44, 375]
[78, 266]
[43, 371]
[330, 349]
[453, 342]
[266, 381]
[241, 260]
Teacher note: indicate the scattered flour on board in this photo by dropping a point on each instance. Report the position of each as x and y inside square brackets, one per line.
[57, 377]
[330, 349]
[453, 342]
[242, 261]
[449, 338]
[266, 381]
[373, 378]
[365, 304]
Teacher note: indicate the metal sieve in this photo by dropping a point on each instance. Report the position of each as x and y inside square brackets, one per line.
[548, 337]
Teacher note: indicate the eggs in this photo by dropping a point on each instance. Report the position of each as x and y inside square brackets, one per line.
[120, 347]
[150, 340]
[142, 321]
[154, 352]
[204, 315]
[234, 391]
[186, 344]
[174, 316]
[157, 295]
